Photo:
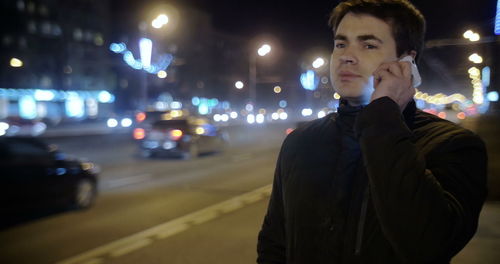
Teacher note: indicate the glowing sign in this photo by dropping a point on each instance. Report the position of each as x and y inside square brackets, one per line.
[74, 105]
[44, 95]
[146, 48]
[309, 80]
[493, 96]
[486, 74]
[105, 97]
[27, 107]
[497, 19]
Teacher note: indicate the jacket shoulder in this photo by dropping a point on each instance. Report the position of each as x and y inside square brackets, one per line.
[309, 131]
[437, 131]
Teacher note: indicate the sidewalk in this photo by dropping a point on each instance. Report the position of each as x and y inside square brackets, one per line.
[484, 248]
[488, 128]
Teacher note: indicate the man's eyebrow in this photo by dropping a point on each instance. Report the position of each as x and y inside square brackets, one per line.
[340, 37]
[360, 38]
[369, 37]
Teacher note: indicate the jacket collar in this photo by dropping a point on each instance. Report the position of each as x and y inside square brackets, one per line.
[344, 110]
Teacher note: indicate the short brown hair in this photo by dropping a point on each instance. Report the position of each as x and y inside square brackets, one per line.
[407, 22]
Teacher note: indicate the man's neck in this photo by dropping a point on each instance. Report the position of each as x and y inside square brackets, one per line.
[356, 101]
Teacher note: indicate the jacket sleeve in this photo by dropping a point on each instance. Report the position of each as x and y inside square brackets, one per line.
[271, 240]
[428, 212]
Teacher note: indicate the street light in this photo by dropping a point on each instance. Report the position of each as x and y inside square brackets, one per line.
[159, 21]
[252, 69]
[239, 85]
[471, 35]
[146, 49]
[277, 89]
[476, 58]
[468, 34]
[264, 50]
[162, 74]
[16, 63]
[319, 62]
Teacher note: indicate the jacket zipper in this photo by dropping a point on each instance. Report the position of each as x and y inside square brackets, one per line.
[361, 223]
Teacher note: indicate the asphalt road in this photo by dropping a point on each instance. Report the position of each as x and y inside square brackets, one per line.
[137, 194]
[207, 210]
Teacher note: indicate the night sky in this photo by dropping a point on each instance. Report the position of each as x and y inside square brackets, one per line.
[301, 24]
[304, 23]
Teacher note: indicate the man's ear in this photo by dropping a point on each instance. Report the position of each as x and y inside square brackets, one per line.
[413, 54]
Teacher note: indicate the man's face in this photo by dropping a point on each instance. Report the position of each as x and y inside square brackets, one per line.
[361, 43]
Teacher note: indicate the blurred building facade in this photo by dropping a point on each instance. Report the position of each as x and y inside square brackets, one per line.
[54, 46]
[57, 61]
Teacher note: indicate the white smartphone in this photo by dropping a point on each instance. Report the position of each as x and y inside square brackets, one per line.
[417, 80]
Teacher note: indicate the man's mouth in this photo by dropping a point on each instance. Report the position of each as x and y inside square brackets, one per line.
[348, 76]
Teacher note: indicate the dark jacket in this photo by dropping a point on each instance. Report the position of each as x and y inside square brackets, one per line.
[372, 185]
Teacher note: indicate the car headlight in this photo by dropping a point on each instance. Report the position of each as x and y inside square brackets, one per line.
[90, 167]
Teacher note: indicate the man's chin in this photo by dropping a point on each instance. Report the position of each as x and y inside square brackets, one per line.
[357, 99]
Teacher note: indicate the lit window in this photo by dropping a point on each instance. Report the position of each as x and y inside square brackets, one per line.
[98, 39]
[31, 7]
[46, 28]
[32, 27]
[56, 30]
[89, 36]
[43, 10]
[20, 5]
[6, 40]
[77, 34]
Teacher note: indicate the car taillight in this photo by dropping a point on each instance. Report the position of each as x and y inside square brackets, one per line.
[289, 130]
[175, 134]
[140, 117]
[139, 133]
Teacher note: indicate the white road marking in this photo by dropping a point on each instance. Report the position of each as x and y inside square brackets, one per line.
[177, 228]
[232, 207]
[253, 197]
[144, 238]
[129, 248]
[205, 217]
[94, 261]
[128, 180]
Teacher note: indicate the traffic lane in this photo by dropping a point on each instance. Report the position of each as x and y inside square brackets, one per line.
[131, 209]
[151, 170]
[115, 149]
[231, 238]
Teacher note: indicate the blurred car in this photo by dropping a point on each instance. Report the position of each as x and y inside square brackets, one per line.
[37, 177]
[184, 137]
[148, 117]
[16, 126]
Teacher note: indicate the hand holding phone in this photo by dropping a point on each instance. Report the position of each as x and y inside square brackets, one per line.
[396, 80]
[416, 80]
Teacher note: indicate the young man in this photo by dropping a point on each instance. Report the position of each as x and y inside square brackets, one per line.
[380, 181]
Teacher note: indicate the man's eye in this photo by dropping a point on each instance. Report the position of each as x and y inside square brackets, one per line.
[369, 46]
[339, 45]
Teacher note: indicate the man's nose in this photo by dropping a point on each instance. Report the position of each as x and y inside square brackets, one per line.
[348, 57]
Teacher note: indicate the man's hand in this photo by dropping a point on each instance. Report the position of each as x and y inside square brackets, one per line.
[394, 79]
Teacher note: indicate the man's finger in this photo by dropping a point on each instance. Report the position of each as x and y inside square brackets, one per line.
[395, 68]
[406, 67]
[380, 75]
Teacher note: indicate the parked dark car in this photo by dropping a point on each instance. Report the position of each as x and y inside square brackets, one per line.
[17, 126]
[184, 137]
[36, 177]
